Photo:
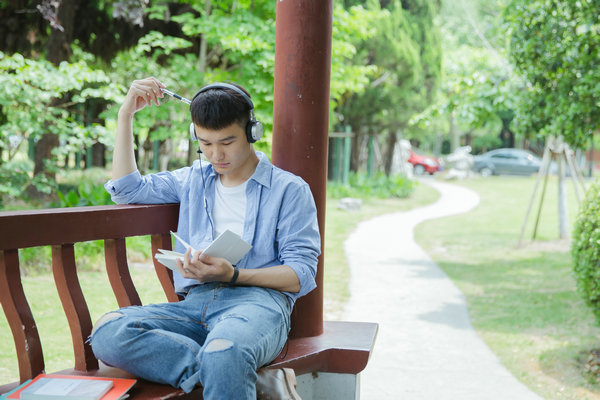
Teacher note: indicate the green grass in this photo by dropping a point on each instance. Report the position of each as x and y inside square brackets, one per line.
[52, 323]
[522, 301]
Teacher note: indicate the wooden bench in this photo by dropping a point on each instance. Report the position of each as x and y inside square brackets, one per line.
[327, 365]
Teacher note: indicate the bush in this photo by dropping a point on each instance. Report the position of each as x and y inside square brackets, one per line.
[86, 194]
[585, 250]
[378, 186]
[14, 179]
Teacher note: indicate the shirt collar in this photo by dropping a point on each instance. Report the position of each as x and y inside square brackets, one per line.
[262, 174]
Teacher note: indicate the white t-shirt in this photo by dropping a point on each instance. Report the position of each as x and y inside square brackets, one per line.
[229, 211]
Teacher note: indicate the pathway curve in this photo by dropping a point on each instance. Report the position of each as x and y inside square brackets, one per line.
[426, 347]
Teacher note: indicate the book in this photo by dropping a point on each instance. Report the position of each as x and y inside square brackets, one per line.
[227, 245]
[21, 386]
[72, 387]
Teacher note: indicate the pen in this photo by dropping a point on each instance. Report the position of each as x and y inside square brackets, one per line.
[176, 96]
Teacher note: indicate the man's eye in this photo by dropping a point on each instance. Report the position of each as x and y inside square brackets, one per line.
[227, 143]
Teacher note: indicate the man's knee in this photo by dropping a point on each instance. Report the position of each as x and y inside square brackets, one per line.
[105, 318]
[218, 345]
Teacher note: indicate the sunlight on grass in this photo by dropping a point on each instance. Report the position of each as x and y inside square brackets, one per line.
[522, 301]
[52, 323]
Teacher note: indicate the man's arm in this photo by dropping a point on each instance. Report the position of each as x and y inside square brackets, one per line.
[215, 269]
[278, 277]
[142, 93]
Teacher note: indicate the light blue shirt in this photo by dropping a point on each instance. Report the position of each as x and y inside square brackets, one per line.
[280, 222]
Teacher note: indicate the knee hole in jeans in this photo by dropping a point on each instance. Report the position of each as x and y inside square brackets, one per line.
[218, 345]
[105, 318]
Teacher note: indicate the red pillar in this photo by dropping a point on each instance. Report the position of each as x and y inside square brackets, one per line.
[301, 119]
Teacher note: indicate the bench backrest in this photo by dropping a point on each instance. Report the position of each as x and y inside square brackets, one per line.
[61, 228]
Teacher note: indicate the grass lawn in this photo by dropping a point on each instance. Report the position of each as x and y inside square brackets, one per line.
[522, 301]
[52, 324]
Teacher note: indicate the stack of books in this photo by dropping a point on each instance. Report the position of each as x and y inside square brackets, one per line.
[68, 387]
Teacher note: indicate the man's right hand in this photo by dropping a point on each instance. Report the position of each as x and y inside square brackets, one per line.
[142, 93]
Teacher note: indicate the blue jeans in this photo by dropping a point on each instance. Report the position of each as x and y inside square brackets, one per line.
[218, 336]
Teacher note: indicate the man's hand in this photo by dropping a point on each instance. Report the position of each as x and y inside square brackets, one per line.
[205, 268]
[142, 93]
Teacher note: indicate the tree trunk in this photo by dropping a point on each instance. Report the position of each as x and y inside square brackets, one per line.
[191, 154]
[506, 135]
[43, 152]
[357, 139]
[390, 145]
[563, 208]
[98, 158]
[454, 135]
[58, 49]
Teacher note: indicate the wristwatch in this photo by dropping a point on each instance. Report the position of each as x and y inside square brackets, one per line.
[236, 272]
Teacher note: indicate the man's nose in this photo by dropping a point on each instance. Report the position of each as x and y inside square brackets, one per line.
[219, 153]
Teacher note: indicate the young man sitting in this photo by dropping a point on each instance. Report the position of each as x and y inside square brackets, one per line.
[234, 318]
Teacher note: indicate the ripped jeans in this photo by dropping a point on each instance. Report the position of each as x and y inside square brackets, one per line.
[217, 337]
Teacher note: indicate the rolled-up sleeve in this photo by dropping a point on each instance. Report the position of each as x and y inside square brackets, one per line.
[298, 237]
[137, 189]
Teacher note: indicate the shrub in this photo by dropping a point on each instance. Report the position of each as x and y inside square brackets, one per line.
[585, 250]
[14, 178]
[379, 186]
[86, 194]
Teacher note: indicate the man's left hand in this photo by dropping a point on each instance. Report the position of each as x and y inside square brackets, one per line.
[205, 268]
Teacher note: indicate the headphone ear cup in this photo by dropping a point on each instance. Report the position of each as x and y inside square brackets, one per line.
[193, 132]
[254, 131]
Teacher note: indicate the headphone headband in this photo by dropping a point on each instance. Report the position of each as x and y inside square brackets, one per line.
[223, 85]
[254, 129]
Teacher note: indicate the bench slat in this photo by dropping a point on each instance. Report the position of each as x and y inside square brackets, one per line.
[115, 254]
[32, 228]
[18, 313]
[74, 305]
[165, 275]
[343, 347]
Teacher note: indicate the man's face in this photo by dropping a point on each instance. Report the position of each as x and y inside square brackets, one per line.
[227, 150]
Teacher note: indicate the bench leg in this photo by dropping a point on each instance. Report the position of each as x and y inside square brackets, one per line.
[330, 386]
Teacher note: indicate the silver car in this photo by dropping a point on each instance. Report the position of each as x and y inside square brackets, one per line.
[507, 161]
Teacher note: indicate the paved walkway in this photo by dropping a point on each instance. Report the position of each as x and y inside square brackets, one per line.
[426, 347]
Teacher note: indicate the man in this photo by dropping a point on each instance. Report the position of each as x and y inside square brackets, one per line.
[233, 319]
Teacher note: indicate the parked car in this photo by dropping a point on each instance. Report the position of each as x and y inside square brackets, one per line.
[423, 163]
[507, 161]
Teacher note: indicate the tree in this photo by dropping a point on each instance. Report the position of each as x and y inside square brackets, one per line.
[479, 90]
[29, 90]
[405, 52]
[49, 31]
[556, 46]
[185, 44]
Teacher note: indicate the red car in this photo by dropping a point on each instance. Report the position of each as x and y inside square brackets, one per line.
[423, 163]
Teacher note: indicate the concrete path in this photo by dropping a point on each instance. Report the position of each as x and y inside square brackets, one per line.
[426, 347]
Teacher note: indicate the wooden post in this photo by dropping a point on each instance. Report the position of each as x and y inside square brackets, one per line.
[301, 119]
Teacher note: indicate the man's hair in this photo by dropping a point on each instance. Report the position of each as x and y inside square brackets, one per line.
[218, 108]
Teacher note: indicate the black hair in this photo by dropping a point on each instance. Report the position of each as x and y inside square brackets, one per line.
[218, 108]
